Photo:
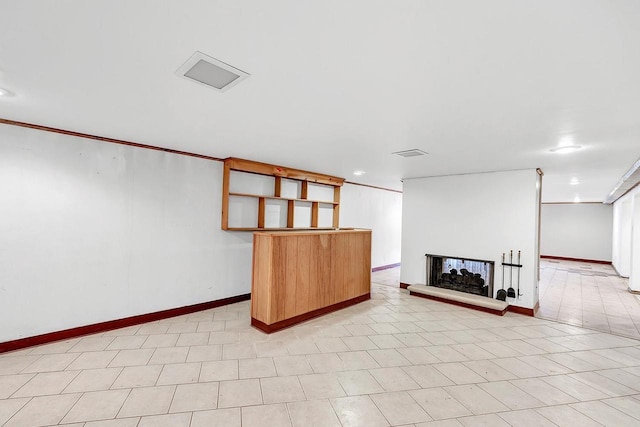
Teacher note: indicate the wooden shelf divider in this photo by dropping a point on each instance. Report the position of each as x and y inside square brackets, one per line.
[277, 189]
[336, 207]
[326, 202]
[261, 209]
[281, 229]
[315, 208]
[225, 195]
[290, 210]
[279, 172]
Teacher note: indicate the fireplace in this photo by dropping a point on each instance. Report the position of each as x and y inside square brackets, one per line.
[473, 276]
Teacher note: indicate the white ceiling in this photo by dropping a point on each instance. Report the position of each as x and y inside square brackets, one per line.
[338, 85]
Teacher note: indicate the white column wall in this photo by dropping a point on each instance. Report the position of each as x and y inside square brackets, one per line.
[577, 230]
[616, 237]
[92, 232]
[634, 250]
[626, 237]
[622, 230]
[476, 216]
[378, 210]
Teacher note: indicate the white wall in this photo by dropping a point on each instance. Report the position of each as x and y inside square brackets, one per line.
[622, 230]
[626, 237]
[92, 231]
[615, 239]
[577, 230]
[378, 210]
[95, 231]
[634, 252]
[477, 216]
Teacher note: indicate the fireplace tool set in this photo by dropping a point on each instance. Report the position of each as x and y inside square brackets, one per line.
[502, 295]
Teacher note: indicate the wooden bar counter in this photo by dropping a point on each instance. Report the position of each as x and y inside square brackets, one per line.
[298, 275]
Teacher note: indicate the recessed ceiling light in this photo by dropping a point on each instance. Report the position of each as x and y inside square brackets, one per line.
[5, 92]
[565, 149]
[574, 181]
[576, 199]
[359, 173]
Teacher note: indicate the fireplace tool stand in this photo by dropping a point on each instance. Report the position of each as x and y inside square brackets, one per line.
[511, 293]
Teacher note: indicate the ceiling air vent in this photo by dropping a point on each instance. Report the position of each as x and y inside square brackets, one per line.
[410, 153]
[208, 71]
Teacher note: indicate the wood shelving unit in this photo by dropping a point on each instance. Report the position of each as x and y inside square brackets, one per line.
[279, 173]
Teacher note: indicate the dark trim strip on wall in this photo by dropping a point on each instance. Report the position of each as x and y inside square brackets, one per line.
[385, 267]
[404, 285]
[117, 324]
[138, 145]
[525, 311]
[373, 186]
[103, 139]
[562, 258]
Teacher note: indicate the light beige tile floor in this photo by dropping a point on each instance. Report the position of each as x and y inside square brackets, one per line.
[394, 360]
[388, 277]
[588, 295]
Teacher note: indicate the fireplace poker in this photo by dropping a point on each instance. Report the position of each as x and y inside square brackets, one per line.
[502, 294]
[511, 293]
[519, 267]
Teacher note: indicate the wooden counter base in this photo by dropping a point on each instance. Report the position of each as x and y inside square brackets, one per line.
[298, 275]
[306, 316]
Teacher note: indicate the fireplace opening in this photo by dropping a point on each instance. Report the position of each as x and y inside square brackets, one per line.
[473, 276]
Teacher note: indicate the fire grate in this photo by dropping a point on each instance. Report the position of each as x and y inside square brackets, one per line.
[472, 276]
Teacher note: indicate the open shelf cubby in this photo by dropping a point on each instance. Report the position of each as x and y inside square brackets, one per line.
[259, 196]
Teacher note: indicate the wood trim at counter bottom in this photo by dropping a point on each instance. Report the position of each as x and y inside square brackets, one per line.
[306, 316]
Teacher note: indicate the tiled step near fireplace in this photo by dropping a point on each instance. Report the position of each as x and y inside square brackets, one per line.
[464, 299]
